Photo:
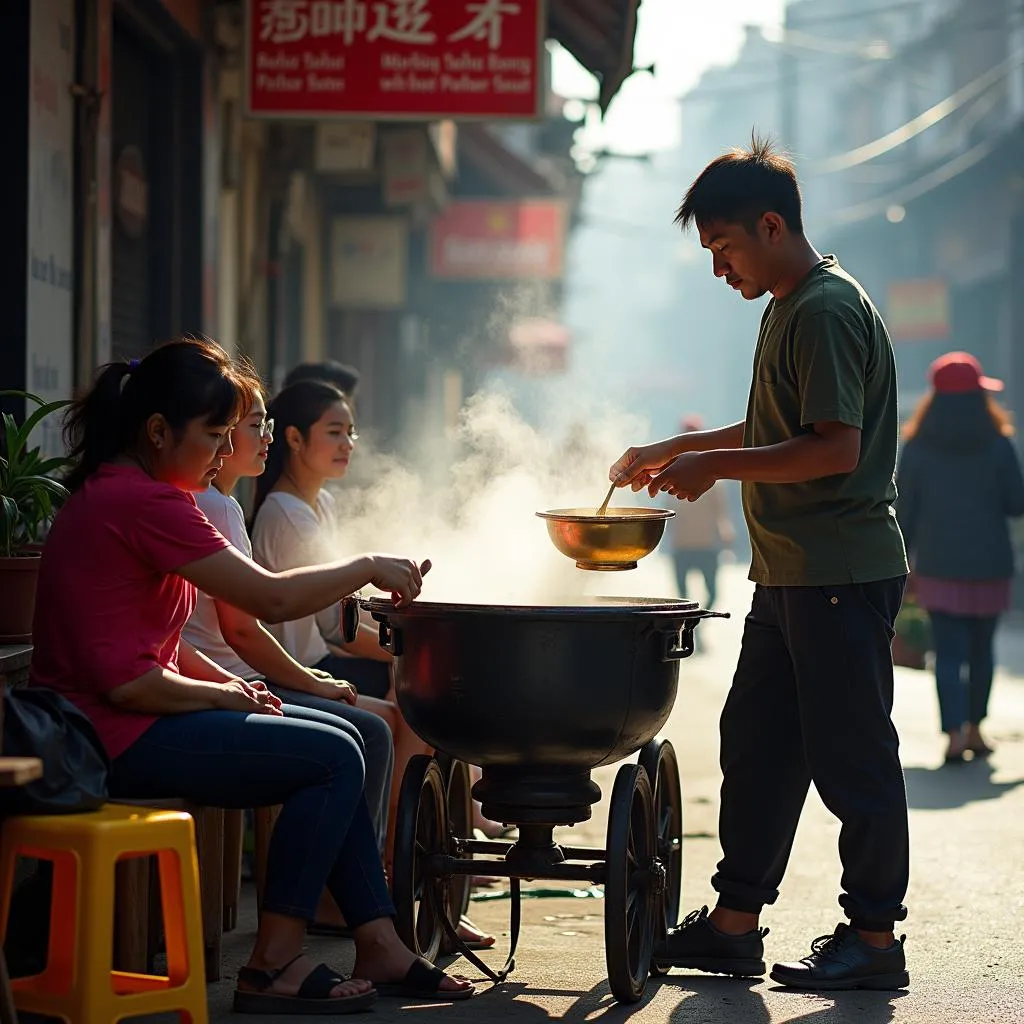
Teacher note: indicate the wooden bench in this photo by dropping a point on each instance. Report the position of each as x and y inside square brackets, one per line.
[219, 852]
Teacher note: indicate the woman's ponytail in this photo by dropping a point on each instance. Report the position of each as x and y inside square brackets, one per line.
[92, 425]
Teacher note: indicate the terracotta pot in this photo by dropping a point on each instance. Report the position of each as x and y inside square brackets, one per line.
[906, 656]
[18, 578]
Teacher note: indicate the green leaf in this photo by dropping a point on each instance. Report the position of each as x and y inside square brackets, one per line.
[9, 517]
[30, 497]
[12, 441]
[22, 394]
[52, 465]
[47, 484]
[40, 414]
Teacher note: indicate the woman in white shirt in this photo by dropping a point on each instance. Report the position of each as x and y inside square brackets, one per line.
[242, 645]
[294, 525]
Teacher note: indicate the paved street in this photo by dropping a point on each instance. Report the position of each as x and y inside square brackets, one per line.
[964, 946]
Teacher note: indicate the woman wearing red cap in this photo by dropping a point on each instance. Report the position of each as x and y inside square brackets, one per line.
[959, 481]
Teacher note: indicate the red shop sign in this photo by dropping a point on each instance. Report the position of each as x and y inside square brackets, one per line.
[398, 59]
[480, 240]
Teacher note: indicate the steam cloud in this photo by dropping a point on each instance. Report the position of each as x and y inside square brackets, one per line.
[477, 520]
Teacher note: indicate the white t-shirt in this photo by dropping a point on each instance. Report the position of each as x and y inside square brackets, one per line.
[288, 534]
[202, 630]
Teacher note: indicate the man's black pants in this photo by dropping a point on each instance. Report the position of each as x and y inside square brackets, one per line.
[811, 701]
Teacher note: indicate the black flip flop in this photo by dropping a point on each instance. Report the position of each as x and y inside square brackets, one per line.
[422, 981]
[313, 998]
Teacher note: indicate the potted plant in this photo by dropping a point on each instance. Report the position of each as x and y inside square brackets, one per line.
[913, 637]
[29, 499]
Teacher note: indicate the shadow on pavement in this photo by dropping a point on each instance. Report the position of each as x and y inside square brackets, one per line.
[701, 1000]
[836, 1007]
[595, 1004]
[710, 1000]
[953, 785]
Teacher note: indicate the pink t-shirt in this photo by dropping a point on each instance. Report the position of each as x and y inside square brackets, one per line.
[110, 606]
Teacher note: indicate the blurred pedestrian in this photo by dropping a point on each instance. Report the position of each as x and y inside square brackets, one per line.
[699, 532]
[959, 481]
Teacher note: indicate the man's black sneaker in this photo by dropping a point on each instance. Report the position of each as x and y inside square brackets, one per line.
[699, 946]
[844, 960]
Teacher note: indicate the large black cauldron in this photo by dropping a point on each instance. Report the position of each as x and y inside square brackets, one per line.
[538, 696]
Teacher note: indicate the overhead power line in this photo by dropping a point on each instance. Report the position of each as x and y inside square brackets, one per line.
[914, 127]
[933, 179]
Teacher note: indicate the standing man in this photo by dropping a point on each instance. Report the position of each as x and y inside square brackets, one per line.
[811, 700]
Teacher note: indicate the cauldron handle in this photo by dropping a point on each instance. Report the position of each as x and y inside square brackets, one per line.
[349, 618]
[390, 638]
[679, 643]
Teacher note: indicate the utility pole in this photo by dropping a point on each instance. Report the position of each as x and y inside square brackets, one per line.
[788, 83]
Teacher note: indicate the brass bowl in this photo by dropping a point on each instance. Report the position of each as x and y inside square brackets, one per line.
[614, 541]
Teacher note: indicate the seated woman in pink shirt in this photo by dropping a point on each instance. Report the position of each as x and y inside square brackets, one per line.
[118, 581]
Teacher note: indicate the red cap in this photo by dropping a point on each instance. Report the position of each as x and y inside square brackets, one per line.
[958, 372]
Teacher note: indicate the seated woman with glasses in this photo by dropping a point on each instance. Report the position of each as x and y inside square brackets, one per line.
[239, 643]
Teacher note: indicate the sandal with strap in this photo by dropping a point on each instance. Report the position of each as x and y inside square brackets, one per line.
[423, 981]
[313, 998]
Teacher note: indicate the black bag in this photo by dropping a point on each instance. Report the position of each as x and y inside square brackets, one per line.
[41, 723]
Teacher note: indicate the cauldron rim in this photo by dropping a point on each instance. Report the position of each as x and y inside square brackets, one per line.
[603, 607]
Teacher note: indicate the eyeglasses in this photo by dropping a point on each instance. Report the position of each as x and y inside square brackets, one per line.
[266, 428]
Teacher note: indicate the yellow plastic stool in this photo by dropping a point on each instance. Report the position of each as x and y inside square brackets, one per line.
[79, 984]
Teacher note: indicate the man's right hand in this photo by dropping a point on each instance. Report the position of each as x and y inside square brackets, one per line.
[638, 466]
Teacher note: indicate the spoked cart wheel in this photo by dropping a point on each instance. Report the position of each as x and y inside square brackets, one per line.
[421, 832]
[460, 826]
[633, 884]
[659, 760]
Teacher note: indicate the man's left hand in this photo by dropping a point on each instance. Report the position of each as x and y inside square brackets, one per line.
[686, 478]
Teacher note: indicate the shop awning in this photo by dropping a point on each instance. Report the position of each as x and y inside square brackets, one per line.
[508, 173]
[600, 35]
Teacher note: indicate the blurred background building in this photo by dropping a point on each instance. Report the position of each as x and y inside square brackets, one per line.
[445, 228]
[301, 179]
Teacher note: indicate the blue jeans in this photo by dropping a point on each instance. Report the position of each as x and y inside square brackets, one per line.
[962, 642]
[309, 762]
[379, 749]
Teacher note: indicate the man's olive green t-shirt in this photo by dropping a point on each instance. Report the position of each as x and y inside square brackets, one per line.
[824, 355]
